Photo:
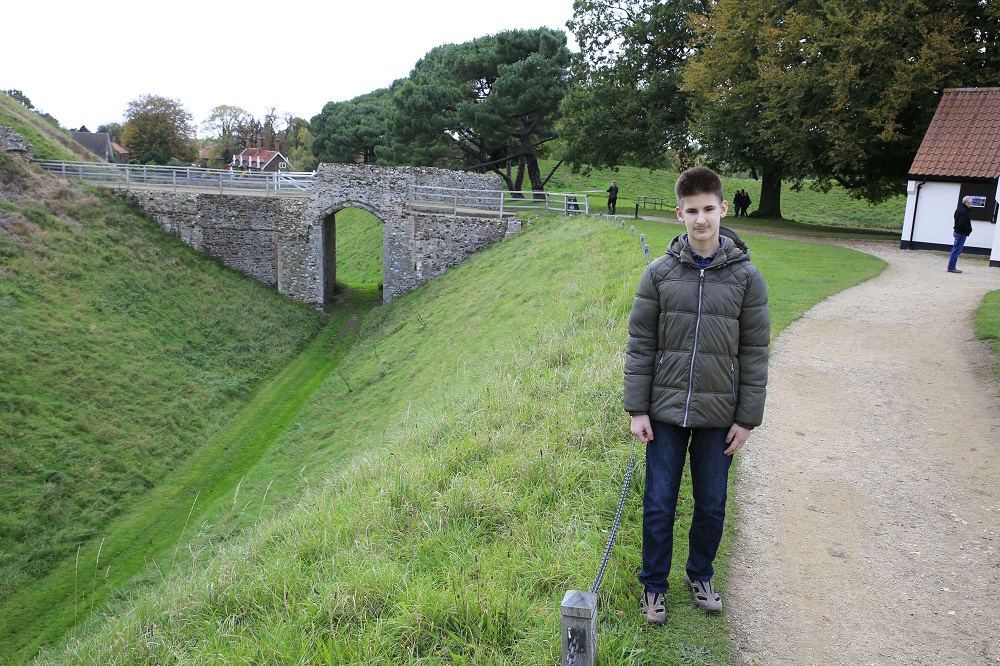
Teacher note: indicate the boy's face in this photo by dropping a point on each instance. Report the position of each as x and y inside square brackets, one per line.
[701, 214]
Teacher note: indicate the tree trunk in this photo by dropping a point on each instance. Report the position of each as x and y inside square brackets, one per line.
[770, 196]
[535, 176]
[519, 180]
[508, 181]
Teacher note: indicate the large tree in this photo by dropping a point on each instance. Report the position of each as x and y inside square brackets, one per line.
[158, 125]
[355, 130]
[114, 130]
[487, 104]
[296, 143]
[838, 90]
[856, 83]
[729, 94]
[625, 105]
[226, 125]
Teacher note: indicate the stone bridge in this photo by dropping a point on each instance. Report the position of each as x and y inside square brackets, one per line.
[291, 243]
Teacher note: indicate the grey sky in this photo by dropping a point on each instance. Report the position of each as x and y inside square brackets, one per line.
[83, 62]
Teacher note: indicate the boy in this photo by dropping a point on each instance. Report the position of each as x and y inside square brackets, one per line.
[695, 378]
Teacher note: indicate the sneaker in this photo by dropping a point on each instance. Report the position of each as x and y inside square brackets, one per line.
[954, 270]
[705, 595]
[654, 606]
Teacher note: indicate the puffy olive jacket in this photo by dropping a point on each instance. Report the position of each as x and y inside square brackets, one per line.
[698, 339]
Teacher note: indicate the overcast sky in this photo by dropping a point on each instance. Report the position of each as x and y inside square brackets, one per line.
[83, 62]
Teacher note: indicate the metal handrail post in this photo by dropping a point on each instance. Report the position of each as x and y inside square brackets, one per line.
[501, 203]
[174, 174]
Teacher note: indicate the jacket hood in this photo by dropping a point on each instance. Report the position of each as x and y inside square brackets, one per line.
[732, 248]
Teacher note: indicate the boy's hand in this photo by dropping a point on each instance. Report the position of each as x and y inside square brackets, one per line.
[737, 437]
[641, 428]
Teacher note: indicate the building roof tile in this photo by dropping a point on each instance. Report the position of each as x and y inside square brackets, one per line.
[963, 139]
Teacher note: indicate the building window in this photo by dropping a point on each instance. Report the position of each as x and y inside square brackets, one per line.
[984, 204]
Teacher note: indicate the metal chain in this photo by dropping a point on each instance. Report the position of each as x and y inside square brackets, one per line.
[618, 518]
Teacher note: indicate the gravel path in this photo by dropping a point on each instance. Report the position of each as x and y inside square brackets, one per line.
[869, 524]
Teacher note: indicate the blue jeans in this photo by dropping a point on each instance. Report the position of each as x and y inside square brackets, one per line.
[956, 250]
[665, 458]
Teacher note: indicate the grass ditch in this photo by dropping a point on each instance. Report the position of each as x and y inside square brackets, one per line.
[121, 351]
[481, 416]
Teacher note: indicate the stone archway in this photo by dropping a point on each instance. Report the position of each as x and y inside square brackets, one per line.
[328, 245]
[415, 246]
[289, 242]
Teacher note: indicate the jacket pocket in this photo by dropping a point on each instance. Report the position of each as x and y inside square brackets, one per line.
[656, 370]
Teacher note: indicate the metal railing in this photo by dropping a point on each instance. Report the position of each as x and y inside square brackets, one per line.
[220, 181]
[655, 203]
[496, 202]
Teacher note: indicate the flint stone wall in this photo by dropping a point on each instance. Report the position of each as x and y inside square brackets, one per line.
[289, 243]
[240, 231]
[417, 246]
[12, 142]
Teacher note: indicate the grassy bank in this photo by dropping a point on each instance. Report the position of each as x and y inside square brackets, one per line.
[487, 404]
[988, 322]
[48, 142]
[359, 248]
[121, 351]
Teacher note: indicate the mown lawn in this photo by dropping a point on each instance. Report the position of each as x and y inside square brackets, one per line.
[806, 211]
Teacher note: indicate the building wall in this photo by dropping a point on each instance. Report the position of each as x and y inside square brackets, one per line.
[929, 220]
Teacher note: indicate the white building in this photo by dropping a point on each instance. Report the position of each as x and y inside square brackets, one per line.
[959, 156]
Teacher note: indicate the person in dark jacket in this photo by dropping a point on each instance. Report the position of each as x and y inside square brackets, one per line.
[695, 380]
[963, 229]
[613, 198]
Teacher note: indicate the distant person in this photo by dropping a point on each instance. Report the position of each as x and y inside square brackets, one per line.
[738, 202]
[695, 381]
[612, 198]
[963, 229]
[746, 203]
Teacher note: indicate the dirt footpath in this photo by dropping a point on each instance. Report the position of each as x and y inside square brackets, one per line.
[869, 528]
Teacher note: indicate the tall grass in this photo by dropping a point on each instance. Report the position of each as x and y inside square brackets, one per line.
[484, 411]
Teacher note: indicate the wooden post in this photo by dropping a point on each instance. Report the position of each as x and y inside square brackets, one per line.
[579, 628]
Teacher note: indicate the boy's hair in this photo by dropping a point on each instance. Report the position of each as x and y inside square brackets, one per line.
[698, 180]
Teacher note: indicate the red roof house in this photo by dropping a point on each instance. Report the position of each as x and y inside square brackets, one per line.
[958, 157]
[260, 160]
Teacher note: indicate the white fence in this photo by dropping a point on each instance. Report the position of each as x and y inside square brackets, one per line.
[496, 202]
[300, 184]
[221, 181]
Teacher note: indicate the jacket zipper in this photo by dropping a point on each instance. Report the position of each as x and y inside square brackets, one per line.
[732, 377]
[694, 350]
[656, 370]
